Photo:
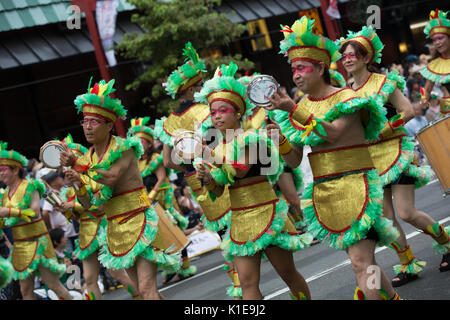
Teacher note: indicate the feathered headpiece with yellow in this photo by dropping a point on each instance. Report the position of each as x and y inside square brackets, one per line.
[438, 23]
[301, 44]
[11, 158]
[225, 87]
[186, 75]
[369, 41]
[98, 103]
[139, 128]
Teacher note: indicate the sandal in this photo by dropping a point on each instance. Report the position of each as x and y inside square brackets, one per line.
[168, 278]
[445, 259]
[404, 279]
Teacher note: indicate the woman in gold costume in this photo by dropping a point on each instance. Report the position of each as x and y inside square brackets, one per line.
[33, 251]
[259, 221]
[393, 152]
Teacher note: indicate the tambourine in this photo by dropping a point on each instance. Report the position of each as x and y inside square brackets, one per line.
[49, 154]
[261, 88]
[188, 145]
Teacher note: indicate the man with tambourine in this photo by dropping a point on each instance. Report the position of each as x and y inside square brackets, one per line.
[336, 124]
[131, 240]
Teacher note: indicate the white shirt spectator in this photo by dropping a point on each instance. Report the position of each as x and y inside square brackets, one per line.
[415, 124]
[57, 219]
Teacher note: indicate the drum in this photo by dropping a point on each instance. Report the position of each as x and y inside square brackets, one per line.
[434, 139]
[170, 238]
[260, 89]
[188, 145]
[49, 154]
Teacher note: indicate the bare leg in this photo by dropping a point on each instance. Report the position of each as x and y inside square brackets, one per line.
[287, 187]
[91, 269]
[283, 262]
[52, 281]
[389, 213]
[249, 274]
[404, 196]
[122, 276]
[144, 273]
[362, 256]
[26, 288]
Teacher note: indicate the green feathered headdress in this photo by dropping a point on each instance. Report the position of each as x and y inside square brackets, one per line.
[301, 44]
[438, 23]
[98, 103]
[76, 147]
[139, 128]
[186, 75]
[337, 79]
[225, 87]
[11, 158]
[368, 39]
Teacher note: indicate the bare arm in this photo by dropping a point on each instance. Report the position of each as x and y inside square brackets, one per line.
[46, 217]
[167, 159]
[204, 174]
[402, 105]
[161, 175]
[294, 157]
[336, 128]
[117, 169]
[35, 204]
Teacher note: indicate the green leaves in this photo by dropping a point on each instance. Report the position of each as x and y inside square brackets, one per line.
[169, 25]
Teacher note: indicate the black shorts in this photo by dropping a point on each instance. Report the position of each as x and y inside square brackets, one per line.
[402, 179]
[372, 235]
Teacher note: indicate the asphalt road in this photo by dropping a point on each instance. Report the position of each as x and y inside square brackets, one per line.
[327, 271]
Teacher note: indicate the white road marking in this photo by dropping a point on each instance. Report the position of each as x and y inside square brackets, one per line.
[191, 278]
[340, 265]
[314, 277]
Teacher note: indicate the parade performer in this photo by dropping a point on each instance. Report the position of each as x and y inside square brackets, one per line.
[259, 221]
[32, 252]
[438, 70]
[393, 152]
[91, 226]
[155, 176]
[131, 240]
[344, 202]
[182, 84]
[291, 181]
[157, 182]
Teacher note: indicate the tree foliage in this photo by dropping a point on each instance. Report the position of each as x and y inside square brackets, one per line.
[168, 26]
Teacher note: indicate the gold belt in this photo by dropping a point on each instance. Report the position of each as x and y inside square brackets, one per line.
[251, 192]
[253, 203]
[29, 231]
[126, 205]
[334, 162]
